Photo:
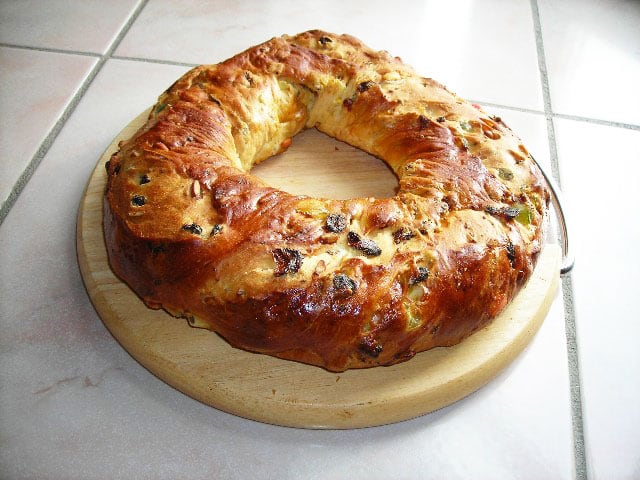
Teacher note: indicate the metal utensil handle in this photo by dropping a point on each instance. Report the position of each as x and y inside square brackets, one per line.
[568, 259]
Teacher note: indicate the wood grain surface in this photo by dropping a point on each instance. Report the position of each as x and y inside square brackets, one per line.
[202, 365]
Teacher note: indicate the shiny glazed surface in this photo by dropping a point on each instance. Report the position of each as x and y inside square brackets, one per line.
[339, 284]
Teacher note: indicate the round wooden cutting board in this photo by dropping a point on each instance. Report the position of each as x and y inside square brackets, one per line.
[203, 366]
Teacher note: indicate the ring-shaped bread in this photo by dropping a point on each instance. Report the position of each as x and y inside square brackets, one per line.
[335, 283]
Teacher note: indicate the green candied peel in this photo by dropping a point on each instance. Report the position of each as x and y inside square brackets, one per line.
[160, 108]
[465, 125]
[414, 294]
[284, 85]
[413, 321]
[525, 215]
[505, 173]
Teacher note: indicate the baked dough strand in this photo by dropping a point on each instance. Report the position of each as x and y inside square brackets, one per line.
[335, 283]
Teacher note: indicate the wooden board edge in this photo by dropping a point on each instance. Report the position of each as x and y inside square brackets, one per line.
[340, 417]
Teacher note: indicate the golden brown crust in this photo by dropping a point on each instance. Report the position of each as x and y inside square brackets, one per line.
[339, 284]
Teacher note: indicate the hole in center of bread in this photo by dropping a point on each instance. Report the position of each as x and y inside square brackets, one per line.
[320, 166]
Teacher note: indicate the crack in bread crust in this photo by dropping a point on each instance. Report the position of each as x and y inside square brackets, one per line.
[335, 283]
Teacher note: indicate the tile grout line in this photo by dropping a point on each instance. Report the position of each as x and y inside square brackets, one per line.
[506, 107]
[579, 453]
[549, 114]
[605, 123]
[574, 373]
[46, 144]
[157, 61]
[83, 53]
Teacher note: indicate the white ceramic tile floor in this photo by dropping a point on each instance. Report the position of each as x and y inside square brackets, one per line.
[602, 179]
[85, 26]
[30, 113]
[73, 403]
[593, 57]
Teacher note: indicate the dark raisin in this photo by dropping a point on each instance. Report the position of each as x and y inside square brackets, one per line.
[491, 210]
[402, 235]
[336, 222]
[440, 119]
[348, 103]
[138, 200]
[370, 346]
[353, 239]
[511, 254]
[106, 165]
[369, 247]
[217, 228]
[505, 173]
[193, 228]
[423, 122]
[157, 248]
[144, 179]
[324, 40]
[421, 276]
[364, 86]
[365, 245]
[248, 78]
[287, 260]
[510, 212]
[343, 282]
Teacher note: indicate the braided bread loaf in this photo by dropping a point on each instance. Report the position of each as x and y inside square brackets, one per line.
[335, 283]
